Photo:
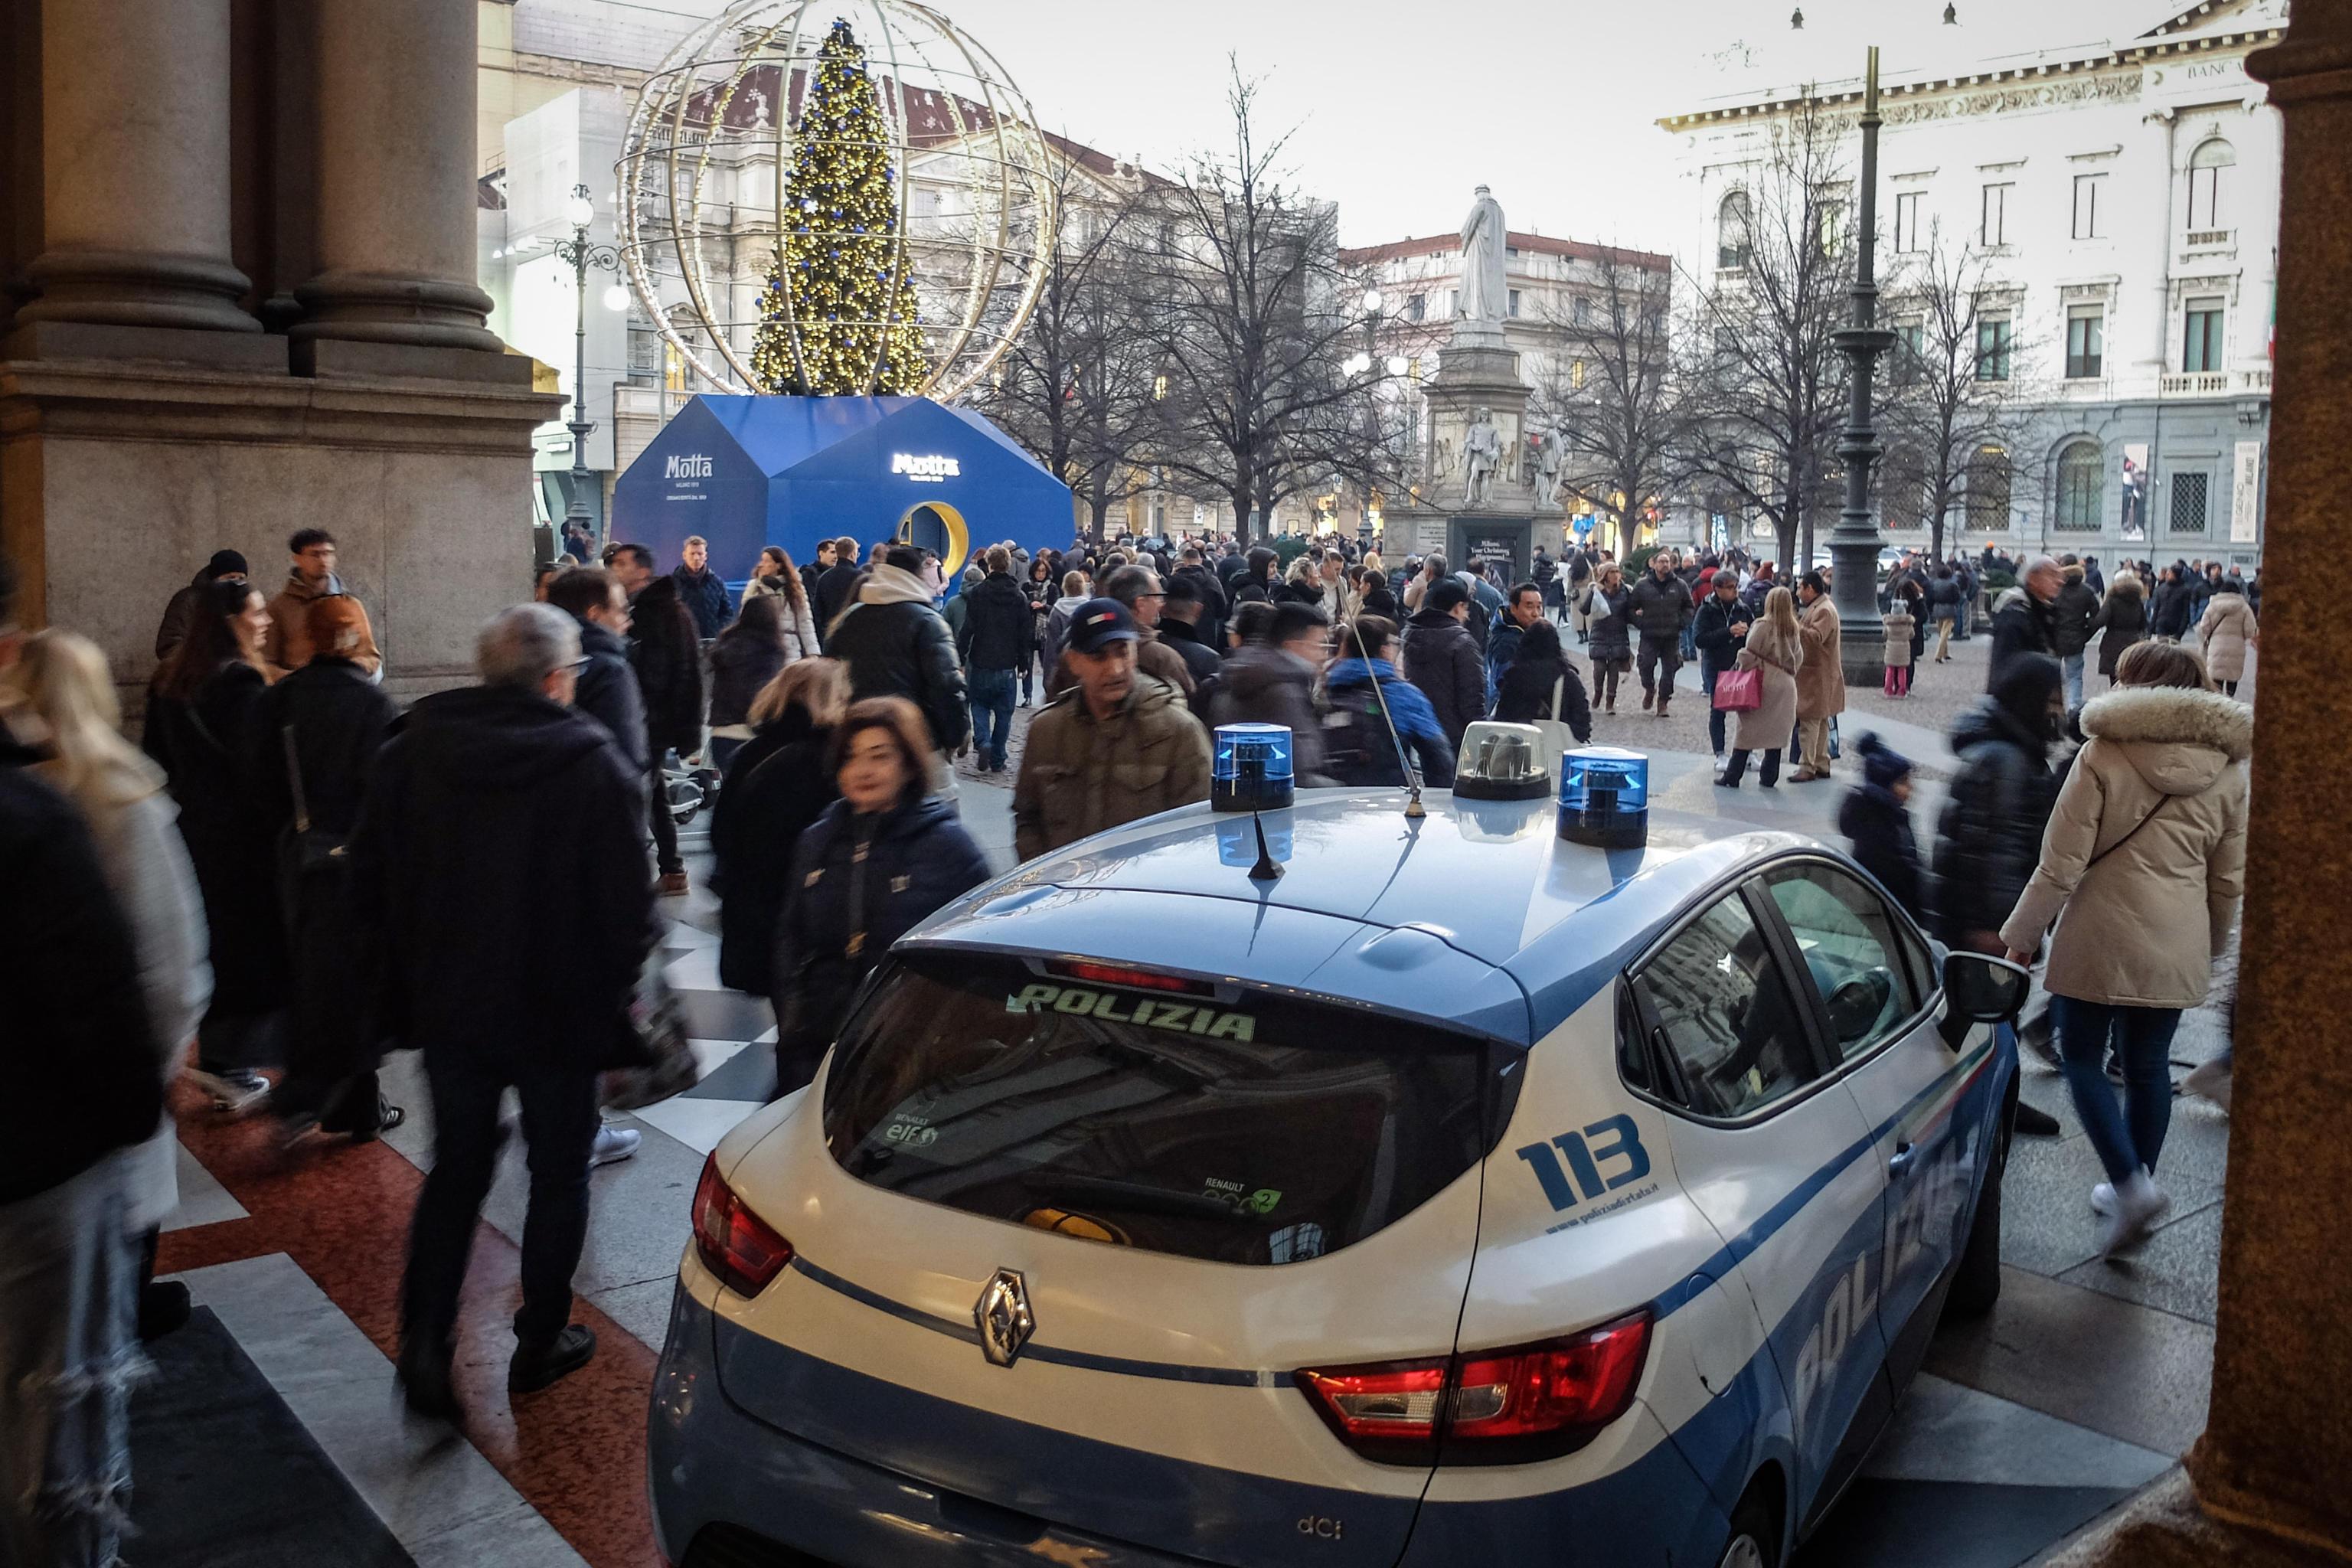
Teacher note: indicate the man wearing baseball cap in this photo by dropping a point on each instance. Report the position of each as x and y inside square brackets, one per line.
[1118, 744]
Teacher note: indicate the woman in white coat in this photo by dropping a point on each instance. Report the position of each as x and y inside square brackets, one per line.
[2142, 866]
[71, 717]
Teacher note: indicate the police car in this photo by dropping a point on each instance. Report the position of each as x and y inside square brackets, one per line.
[1461, 1193]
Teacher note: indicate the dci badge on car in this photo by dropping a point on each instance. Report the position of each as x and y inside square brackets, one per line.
[1004, 1317]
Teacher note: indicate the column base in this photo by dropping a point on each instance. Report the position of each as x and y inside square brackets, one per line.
[2163, 1527]
[136, 288]
[390, 308]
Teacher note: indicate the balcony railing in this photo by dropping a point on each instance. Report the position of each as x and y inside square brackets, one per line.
[2209, 239]
[2215, 383]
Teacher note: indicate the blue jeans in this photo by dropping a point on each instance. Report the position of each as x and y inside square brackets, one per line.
[2130, 1138]
[991, 693]
[2072, 667]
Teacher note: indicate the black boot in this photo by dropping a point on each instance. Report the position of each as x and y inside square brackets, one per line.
[422, 1372]
[2035, 1123]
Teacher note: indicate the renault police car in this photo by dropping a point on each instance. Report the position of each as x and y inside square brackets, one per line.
[1460, 1194]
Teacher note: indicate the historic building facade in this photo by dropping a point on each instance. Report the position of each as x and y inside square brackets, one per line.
[2122, 200]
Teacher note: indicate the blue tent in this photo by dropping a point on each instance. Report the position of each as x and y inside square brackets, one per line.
[744, 472]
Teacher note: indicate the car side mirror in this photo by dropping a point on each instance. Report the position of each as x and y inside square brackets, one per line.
[1982, 989]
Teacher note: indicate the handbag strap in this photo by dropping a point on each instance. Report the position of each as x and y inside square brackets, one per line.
[2127, 837]
[294, 780]
[1559, 690]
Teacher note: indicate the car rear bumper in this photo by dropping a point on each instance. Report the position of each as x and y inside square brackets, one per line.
[710, 1464]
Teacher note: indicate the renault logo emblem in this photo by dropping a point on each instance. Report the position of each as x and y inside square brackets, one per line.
[1004, 1317]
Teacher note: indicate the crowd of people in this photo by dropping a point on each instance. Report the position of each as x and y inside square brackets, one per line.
[295, 874]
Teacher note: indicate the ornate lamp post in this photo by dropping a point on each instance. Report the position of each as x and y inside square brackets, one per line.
[580, 254]
[1855, 542]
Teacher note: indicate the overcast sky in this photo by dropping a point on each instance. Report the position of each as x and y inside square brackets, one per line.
[1403, 106]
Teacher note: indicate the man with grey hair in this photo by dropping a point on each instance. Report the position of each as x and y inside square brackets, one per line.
[2026, 619]
[501, 828]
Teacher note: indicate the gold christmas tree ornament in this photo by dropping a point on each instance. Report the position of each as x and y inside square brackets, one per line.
[833, 200]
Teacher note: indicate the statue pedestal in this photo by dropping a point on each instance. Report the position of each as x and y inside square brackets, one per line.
[1476, 369]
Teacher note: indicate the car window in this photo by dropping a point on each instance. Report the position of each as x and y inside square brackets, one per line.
[1726, 1013]
[1851, 952]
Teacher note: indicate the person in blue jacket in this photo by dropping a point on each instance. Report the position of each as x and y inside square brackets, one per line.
[1358, 746]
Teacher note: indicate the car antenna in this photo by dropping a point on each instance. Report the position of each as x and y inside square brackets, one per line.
[1268, 868]
[1413, 806]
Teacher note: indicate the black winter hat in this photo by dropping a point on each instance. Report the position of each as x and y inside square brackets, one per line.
[1882, 764]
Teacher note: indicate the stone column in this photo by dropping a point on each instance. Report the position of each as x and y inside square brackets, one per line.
[2266, 1482]
[397, 86]
[135, 167]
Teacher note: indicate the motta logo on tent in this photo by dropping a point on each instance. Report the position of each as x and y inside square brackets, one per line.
[924, 469]
[687, 466]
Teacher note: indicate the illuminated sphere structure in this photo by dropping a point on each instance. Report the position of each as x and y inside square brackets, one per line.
[722, 137]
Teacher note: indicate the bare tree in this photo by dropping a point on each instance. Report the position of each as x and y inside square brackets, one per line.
[1250, 321]
[1075, 387]
[1615, 395]
[1768, 388]
[1956, 389]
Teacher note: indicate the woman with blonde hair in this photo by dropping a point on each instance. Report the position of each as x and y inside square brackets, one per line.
[1775, 650]
[775, 785]
[70, 716]
[2143, 867]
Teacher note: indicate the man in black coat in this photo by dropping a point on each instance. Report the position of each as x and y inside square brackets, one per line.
[1660, 608]
[834, 588]
[606, 689]
[1208, 594]
[994, 644]
[1441, 660]
[896, 644]
[2026, 620]
[668, 659]
[1184, 617]
[502, 826]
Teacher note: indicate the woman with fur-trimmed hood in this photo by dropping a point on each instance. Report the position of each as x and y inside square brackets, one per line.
[2142, 866]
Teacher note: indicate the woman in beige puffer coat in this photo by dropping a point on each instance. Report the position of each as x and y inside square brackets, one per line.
[2225, 629]
[2142, 866]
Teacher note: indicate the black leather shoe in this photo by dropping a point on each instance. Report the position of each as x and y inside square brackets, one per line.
[537, 1365]
[164, 1309]
[2035, 1123]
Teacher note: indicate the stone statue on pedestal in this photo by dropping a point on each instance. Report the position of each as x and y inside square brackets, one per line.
[1482, 451]
[1552, 453]
[1482, 295]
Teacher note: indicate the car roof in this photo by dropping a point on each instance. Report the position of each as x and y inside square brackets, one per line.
[1490, 880]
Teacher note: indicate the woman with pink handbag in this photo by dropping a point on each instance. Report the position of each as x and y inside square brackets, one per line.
[1773, 655]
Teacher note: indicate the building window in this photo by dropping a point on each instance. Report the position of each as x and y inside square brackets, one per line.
[2082, 486]
[2201, 347]
[1731, 242]
[1583, 311]
[1993, 226]
[1911, 341]
[1995, 336]
[1831, 221]
[2191, 489]
[1159, 388]
[1906, 219]
[2206, 179]
[1576, 375]
[673, 368]
[2087, 218]
[1987, 496]
[1416, 307]
[1512, 308]
[2086, 340]
[1902, 490]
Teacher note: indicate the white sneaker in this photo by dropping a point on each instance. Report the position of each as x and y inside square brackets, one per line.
[614, 1144]
[2139, 1202]
[233, 1089]
[2212, 1081]
[2103, 1199]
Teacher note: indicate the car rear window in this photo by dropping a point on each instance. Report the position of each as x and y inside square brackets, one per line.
[1222, 1123]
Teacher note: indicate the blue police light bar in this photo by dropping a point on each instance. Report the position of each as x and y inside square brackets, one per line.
[1604, 797]
[1251, 768]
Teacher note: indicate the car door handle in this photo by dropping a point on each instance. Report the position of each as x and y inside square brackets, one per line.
[1902, 1159]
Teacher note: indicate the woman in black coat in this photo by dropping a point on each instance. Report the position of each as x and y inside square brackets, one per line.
[775, 787]
[204, 723]
[2122, 621]
[881, 860]
[746, 658]
[1525, 693]
[1989, 840]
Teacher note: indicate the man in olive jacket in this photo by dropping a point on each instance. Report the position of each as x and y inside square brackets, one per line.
[1117, 746]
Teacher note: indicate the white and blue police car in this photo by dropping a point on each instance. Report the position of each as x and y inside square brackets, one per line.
[1466, 1194]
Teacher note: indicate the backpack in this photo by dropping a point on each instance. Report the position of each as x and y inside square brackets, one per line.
[1358, 748]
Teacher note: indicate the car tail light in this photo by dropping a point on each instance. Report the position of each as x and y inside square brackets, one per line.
[1499, 1406]
[735, 1243]
[1134, 979]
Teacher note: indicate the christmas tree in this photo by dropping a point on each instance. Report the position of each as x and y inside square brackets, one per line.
[840, 285]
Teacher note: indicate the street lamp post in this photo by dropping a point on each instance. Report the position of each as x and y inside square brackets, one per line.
[1855, 542]
[580, 254]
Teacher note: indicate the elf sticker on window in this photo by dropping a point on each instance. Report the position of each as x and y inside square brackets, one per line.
[1183, 1017]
